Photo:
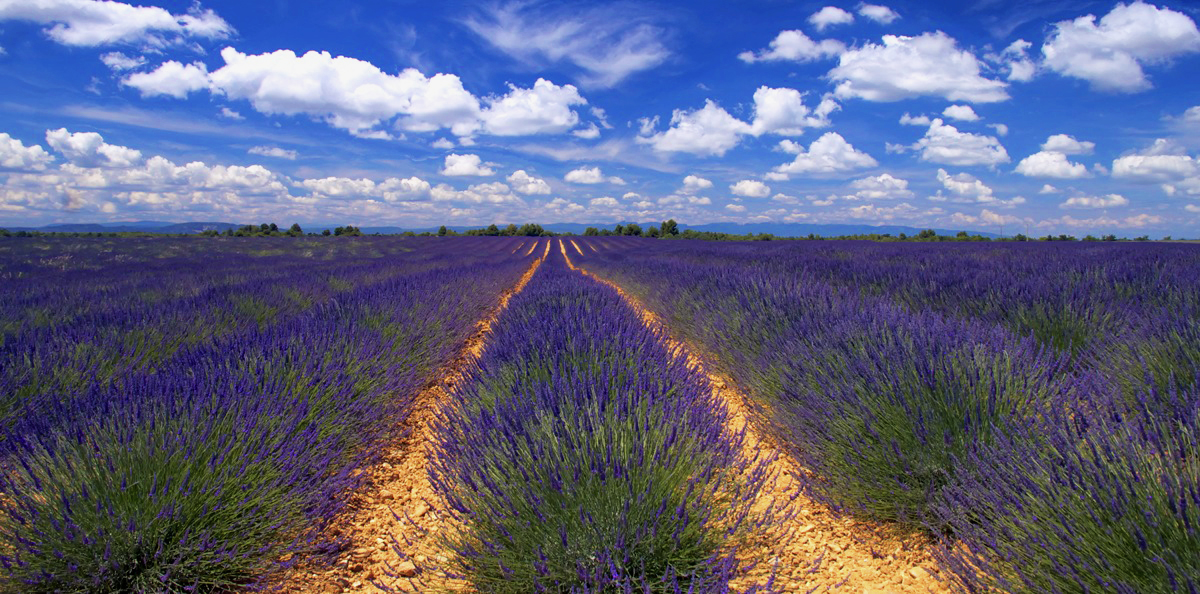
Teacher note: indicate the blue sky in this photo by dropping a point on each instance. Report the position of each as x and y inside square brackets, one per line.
[1053, 116]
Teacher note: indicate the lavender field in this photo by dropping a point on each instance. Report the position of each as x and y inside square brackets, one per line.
[210, 415]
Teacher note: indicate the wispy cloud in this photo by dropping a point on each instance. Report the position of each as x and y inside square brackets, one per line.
[608, 43]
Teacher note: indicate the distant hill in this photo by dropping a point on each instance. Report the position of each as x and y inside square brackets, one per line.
[130, 227]
[778, 229]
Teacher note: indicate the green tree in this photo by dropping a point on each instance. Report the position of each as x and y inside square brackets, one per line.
[325, 233]
[295, 231]
[927, 234]
[619, 229]
[652, 231]
[442, 231]
[670, 228]
[511, 230]
[492, 230]
[591, 232]
[531, 230]
[633, 229]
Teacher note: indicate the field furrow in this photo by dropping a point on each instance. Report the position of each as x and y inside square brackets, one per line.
[810, 548]
[391, 531]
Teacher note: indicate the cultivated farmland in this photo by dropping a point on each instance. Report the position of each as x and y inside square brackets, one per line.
[598, 415]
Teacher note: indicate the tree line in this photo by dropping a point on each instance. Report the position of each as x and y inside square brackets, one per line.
[668, 229]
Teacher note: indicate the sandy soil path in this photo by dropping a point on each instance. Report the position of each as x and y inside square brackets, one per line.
[393, 522]
[811, 549]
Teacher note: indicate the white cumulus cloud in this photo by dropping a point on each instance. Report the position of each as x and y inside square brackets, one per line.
[524, 183]
[92, 23]
[944, 144]
[1015, 58]
[906, 67]
[693, 184]
[961, 112]
[782, 111]
[14, 155]
[965, 187]
[795, 46]
[1067, 145]
[172, 78]
[829, 16]
[880, 14]
[591, 175]
[543, 109]
[88, 149]
[750, 188]
[1110, 54]
[468, 164]
[1051, 164]
[713, 131]
[488, 193]
[880, 187]
[356, 96]
[828, 154]
[1162, 162]
[1106, 201]
[706, 131]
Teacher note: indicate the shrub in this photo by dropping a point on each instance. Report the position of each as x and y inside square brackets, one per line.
[582, 455]
[1102, 495]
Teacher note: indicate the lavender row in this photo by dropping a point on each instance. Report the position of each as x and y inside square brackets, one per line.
[1042, 475]
[201, 473]
[1120, 309]
[581, 455]
[1101, 495]
[874, 399]
[97, 324]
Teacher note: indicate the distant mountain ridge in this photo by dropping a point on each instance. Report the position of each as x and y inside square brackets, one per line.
[130, 227]
[777, 229]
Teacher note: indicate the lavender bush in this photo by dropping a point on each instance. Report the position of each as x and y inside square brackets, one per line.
[875, 400]
[584, 456]
[199, 472]
[1101, 496]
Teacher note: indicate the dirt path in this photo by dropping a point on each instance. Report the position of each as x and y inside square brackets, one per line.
[399, 486]
[812, 550]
